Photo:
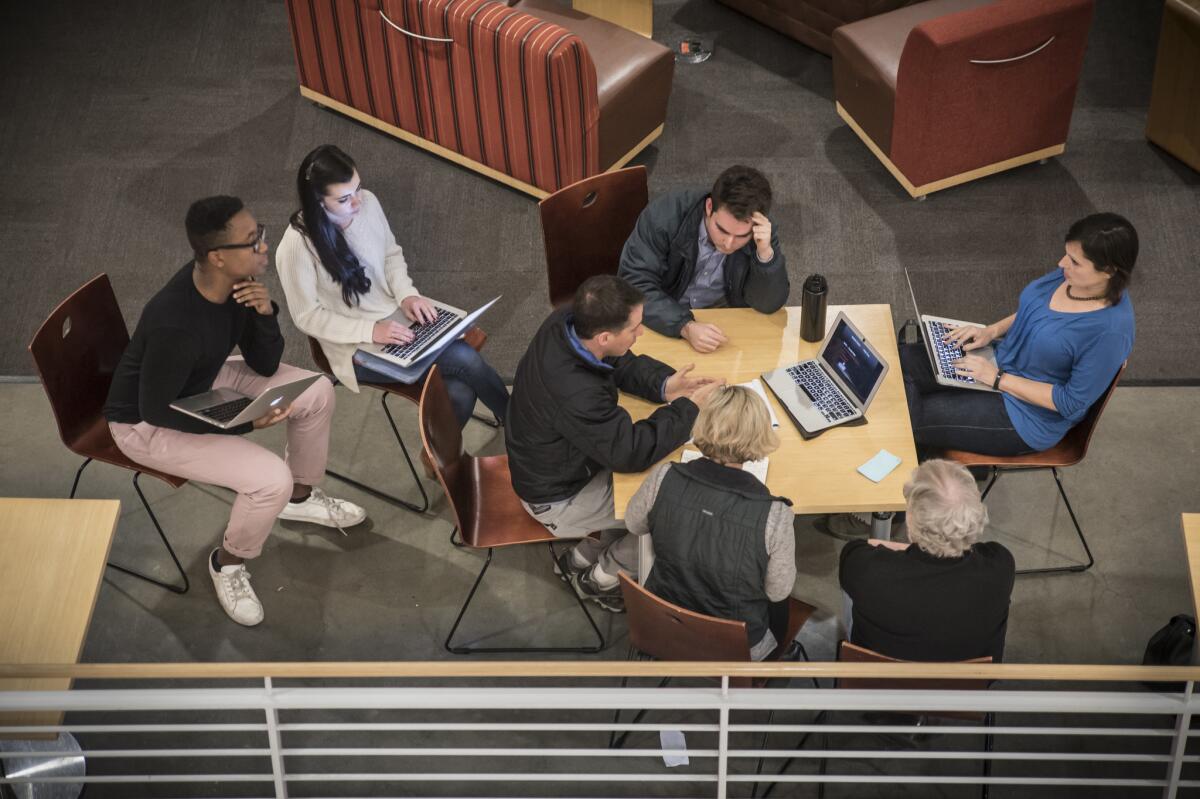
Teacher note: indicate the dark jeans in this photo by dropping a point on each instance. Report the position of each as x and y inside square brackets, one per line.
[467, 376]
[954, 418]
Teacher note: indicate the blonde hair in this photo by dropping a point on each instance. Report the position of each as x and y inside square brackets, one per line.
[945, 514]
[734, 426]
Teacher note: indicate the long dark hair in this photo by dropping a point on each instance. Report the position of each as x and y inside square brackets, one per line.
[319, 170]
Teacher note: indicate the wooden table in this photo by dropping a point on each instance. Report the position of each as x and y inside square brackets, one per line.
[818, 475]
[634, 15]
[1191, 541]
[54, 556]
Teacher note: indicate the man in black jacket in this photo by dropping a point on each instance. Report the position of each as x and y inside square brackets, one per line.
[566, 434]
[695, 250]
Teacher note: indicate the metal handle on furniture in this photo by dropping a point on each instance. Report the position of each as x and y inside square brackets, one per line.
[1034, 51]
[410, 33]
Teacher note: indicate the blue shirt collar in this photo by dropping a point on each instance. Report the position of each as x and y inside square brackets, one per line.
[577, 345]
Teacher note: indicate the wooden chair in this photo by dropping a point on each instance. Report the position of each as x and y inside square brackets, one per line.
[409, 391]
[661, 630]
[1068, 452]
[585, 226]
[851, 653]
[76, 351]
[487, 513]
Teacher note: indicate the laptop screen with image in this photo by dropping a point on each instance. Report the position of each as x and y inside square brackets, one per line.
[852, 360]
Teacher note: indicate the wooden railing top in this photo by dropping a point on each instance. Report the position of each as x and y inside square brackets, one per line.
[568, 669]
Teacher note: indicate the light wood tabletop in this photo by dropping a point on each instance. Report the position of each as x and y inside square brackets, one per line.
[818, 475]
[54, 556]
[1191, 540]
[634, 15]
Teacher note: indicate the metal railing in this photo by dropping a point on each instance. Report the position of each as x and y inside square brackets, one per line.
[489, 728]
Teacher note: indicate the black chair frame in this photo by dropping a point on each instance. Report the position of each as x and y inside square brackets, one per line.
[1074, 567]
[470, 650]
[154, 519]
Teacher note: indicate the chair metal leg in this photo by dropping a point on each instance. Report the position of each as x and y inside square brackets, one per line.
[818, 719]
[458, 542]
[424, 506]
[468, 650]
[620, 740]
[177, 589]
[1074, 567]
[612, 734]
[762, 744]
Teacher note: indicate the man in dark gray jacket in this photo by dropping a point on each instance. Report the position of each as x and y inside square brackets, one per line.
[694, 250]
[566, 433]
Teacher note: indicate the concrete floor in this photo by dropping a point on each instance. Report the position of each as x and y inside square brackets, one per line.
[391, 589]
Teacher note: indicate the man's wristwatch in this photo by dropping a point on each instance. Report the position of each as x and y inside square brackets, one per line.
[996, 382]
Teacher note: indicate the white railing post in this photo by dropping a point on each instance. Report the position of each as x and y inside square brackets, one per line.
[1183, 725]
[273, 742]
[723, 740]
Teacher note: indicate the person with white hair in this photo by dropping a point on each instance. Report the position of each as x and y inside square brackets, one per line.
[942, 596]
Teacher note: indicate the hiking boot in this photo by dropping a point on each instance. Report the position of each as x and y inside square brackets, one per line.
[609, 599]
[850, 526]
[320, 508]
[234, 592]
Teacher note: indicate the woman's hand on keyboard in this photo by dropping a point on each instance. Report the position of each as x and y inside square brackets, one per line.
[388, 332]
[970, 337]
[418, 309]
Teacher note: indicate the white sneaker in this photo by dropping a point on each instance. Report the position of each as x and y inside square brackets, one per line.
[235, 594]
[320, 508]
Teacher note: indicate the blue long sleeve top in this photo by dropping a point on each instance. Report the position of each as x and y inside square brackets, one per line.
[1077, 353]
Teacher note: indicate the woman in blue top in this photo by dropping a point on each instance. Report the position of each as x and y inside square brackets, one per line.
[1056, 356]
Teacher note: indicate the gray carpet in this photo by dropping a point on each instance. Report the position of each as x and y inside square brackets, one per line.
[117, 115]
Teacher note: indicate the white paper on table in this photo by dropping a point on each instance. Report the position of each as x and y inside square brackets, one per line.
[756, 386]
[674, 748]
[756, 468]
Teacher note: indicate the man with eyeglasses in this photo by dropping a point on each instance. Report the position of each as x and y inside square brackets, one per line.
[691, 250]
[182, 347]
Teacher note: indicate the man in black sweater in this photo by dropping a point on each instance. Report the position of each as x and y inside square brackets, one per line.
[566, 434]
[692, 249]
[943, 596]
[182, 347]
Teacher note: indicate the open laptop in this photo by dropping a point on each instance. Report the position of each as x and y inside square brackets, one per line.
[834, 388]
[226, 408]
[941, 354]
[450, 323]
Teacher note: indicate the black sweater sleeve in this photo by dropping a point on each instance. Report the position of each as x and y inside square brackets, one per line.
[166, 366]
[262, 343]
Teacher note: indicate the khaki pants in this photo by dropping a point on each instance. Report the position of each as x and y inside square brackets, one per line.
[592, 510]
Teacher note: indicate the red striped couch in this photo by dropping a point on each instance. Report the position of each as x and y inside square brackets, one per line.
[512, 92]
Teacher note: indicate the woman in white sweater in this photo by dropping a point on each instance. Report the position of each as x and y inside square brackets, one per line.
[343, 274]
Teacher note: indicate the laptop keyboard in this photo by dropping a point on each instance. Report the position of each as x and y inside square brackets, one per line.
[946, 353]
[826, 396]
[422, 334]
[226, 410]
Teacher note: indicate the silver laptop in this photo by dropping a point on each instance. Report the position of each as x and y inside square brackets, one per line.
[226, 408]
[450, 321]
[941, 354]
[835, 387]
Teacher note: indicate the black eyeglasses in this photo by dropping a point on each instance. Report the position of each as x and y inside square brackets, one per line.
[258, 245]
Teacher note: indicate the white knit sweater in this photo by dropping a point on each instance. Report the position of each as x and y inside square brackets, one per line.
[315, 301]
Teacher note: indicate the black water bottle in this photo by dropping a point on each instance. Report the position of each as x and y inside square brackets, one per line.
[812, 308]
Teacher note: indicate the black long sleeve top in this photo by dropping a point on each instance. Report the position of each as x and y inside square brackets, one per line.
[180, 344]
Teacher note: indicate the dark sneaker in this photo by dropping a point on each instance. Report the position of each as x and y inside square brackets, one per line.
[851, 526]
[609, 599]
[564, 566]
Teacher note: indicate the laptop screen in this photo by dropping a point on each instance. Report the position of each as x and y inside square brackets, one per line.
[853, 361]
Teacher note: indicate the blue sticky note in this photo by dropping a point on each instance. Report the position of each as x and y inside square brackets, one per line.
[880, 466]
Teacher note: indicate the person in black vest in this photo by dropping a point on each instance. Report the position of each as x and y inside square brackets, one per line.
[695, 249]
[942, 596]
[723, 545]
[566, 434]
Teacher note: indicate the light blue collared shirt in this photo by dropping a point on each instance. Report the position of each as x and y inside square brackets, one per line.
[708, 283]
